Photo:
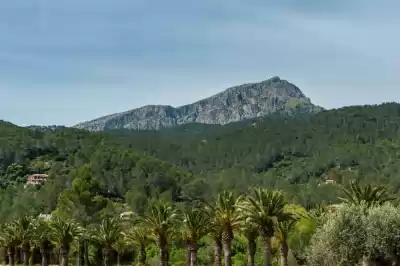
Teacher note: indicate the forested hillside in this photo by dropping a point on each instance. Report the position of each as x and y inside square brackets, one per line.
[296, 154]
[94, 177]
[292, 153]
[116, 173]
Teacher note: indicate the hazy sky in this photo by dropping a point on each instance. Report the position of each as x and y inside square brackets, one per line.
[65, 61]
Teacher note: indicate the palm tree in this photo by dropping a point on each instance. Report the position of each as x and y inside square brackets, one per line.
[120, 247]
[250, 232]
[41, 239]
[10, 241]
[216, 234]
[23, 229]
[160, 220]
[64, 233]
[83, 243]
[368, 194]
[264, 208]
[227, 218]
[195, 225]
[283, 229]
[107, 234]
[4, 248]
[138, 236]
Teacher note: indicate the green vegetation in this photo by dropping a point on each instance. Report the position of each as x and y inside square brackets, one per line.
[89, 174]
[355, 234]
[366, 231]
[212, 183]
[294, 154]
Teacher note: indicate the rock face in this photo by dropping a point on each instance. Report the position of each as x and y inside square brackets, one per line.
[234, 104]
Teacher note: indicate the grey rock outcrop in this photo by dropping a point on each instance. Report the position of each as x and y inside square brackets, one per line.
[234, 104]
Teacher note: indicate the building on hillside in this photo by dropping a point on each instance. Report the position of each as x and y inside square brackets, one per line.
[36, 179]
[330, 181]
[46, 217]
[128, 214]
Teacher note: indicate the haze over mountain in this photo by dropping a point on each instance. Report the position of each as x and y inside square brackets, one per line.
[234, 104]
[63, 62]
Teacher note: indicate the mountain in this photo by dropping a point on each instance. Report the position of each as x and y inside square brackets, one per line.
[296, 153]
[234, 104]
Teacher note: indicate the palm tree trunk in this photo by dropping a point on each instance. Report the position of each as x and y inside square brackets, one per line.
[284, 253]
[118, 259]
[11, 256]
[64, 255]
[55, 256]
[58, 255]
[228, 251]
[106, 256]
[396, 261]
[32, 256]
[17, 255]
[217, 252]
[267, 251]
[5, 256]
[78, 254]
[188, 254]
[85, 253]
[193, 256]
[164, 256]
[366, 261]
[142, 256]
[162, 244]
[25, 254]
[45, 257]
[251, 251]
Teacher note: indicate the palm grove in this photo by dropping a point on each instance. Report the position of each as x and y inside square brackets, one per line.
[94, 177]
[364, 228]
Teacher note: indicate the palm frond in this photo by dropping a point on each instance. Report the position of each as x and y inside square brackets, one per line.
[195, 224]
[368, 194]
[161, 219]
[263, 208]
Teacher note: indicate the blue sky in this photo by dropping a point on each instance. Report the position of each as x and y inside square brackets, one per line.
[66, 61]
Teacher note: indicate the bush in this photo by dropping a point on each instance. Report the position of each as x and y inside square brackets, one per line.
[355, 233]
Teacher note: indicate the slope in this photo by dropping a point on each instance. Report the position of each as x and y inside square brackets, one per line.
[353, 142]
[234, 104]
[64, 154]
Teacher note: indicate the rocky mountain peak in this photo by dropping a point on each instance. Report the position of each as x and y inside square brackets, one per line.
[234, 104]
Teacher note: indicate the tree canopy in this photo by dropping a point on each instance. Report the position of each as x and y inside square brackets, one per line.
[94, 176]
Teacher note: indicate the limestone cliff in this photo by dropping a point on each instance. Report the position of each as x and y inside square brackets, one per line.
[234, 104]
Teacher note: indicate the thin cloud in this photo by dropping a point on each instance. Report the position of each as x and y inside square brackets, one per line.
[89, 58]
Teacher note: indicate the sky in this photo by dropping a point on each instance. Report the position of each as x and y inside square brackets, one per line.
[67, 61]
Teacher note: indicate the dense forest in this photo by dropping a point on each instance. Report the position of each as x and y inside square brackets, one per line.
[94, 177]
[296, 154]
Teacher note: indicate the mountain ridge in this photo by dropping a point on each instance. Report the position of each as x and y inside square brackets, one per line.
[234, 104]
